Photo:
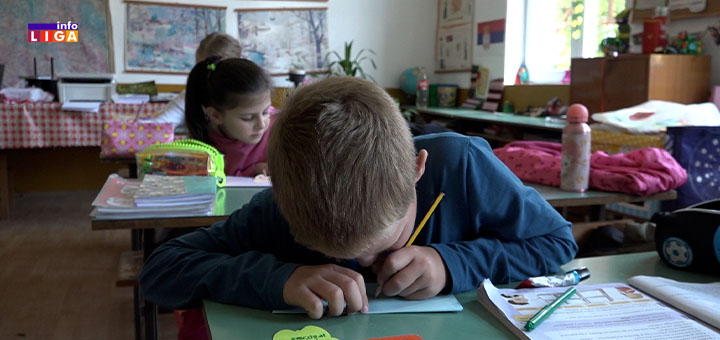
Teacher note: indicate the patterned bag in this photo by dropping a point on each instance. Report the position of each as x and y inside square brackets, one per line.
[697, 149]
[123, 139]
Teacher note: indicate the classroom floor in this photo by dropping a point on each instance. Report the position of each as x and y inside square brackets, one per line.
[57, 277]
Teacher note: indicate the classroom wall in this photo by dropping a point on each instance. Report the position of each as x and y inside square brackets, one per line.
[401, 32]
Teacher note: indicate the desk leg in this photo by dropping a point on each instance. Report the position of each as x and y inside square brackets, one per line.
[133, 170]
[137, 312]
[597, 213]
[135, 243]
[5, 194]
[150, 309]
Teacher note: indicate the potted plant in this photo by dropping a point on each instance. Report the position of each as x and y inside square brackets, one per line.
[347, 65]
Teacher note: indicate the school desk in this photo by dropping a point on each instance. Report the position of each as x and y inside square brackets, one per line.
[561, 199]
[474, 322]
[517, 126]
[230, 199]
[227, 200]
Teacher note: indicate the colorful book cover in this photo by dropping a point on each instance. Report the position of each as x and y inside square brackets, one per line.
[155, 188]
[117, 192]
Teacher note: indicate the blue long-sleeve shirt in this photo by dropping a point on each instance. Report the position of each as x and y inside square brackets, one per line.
[489, 225]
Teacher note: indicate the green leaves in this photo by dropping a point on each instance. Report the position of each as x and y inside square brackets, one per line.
[347, 65]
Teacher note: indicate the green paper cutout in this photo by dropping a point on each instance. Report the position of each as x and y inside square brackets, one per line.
[307, 333]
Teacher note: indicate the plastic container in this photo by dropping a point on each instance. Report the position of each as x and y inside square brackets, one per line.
[575, 171]
[423, 89]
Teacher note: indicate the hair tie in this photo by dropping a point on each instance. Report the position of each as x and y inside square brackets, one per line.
[211, 67]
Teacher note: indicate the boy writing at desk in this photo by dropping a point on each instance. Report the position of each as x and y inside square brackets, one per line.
[349, 187]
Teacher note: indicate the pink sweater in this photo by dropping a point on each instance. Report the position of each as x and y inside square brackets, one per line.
[640, 172]
[240, 158]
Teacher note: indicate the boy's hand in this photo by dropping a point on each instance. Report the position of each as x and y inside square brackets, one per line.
[262, 169]
[413, 272]
[309, 285]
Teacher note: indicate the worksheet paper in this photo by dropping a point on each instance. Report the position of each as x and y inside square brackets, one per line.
[387, 305]
[701, 300]
[245, 181]
[601, 311]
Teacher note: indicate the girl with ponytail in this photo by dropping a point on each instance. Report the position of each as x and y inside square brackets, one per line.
[227, 105]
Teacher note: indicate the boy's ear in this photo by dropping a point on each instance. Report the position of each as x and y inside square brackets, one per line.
[214, 115]
[420, 164]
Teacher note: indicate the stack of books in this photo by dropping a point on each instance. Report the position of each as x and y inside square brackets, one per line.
[155, 196]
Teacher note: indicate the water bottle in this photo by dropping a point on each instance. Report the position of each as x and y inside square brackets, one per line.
[575, 171]
[423, 89]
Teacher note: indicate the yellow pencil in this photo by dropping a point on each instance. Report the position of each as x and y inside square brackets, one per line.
[425, 219]
[417, 231]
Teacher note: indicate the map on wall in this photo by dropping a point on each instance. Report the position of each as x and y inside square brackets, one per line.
[163, 37]
[278, 39]
[91, 53]
[454, 40]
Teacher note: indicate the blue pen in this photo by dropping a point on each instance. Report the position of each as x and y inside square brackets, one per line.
[543, 314]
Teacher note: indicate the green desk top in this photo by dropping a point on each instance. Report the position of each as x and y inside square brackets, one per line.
[234, 322]
[553, 124]
[227, 200]
[559, 198]
[231, 199]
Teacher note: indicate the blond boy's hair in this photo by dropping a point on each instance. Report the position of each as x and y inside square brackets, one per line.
[218, 44]
[343, 165]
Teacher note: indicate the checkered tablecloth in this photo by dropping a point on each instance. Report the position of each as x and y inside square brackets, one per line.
[42, 125]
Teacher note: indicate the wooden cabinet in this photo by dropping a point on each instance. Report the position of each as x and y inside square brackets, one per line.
[605, 84]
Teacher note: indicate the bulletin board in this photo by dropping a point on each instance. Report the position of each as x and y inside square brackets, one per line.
[92, 53]
[454, 36]
[163, 37]
[712, 8]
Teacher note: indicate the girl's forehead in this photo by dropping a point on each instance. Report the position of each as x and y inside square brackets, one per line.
[252, 103]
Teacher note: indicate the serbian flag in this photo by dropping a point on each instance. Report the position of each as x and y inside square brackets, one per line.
[491, 32]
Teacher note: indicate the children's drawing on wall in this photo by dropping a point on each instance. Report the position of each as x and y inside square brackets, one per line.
[163, 38]
[92, 51]
[453, 44]
[278, 39]
[491, 32]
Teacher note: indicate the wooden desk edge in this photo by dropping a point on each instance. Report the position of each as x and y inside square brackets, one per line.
[480, 119]
[170, 222]
[621, 198]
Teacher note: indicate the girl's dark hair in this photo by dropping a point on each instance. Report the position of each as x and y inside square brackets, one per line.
[223, 84]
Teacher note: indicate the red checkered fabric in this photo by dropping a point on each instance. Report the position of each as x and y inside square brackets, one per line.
[43, 125]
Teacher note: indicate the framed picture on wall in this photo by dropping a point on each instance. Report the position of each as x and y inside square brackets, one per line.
[454, 36]
[280, 38]
[163, 37]
[90, 51]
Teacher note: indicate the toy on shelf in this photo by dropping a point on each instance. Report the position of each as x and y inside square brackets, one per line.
[621, 42]
[523, 76]
[686, 43]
